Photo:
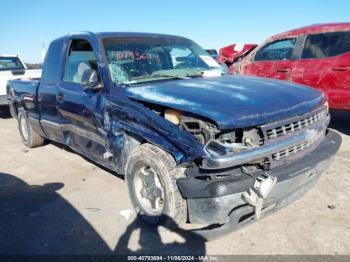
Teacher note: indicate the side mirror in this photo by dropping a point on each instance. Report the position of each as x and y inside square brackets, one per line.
[89, 80]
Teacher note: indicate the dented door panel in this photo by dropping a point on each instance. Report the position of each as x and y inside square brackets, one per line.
[330, 75]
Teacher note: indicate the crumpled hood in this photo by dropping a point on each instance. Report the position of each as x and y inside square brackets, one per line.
[231, 101]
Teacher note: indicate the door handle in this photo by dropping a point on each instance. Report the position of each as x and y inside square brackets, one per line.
[283, 70]
[341, 68]
[60, 96]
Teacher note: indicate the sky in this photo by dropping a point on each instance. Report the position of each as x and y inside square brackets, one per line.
[212, 24]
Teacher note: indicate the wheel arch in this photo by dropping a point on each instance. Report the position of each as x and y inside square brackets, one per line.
[131, 120]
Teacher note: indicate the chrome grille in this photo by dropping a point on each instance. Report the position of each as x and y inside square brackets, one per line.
[289, 151]
[294, 126]
[293, 150]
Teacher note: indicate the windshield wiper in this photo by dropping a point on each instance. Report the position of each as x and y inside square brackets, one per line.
[180, 77]
[165, 76]
[204, 73]
[157, 78]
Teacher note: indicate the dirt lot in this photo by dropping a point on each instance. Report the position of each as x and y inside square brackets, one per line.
[53, 201]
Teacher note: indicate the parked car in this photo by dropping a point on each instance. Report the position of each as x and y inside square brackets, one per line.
[194, 145]
[316, 55]
[12, 67]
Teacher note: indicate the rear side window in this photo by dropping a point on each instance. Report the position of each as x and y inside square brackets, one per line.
[278, 50]
[326, 45]
[80, 58]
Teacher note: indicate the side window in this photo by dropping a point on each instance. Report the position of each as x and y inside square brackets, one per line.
[326, 45]
[80, 58]
[278, 50]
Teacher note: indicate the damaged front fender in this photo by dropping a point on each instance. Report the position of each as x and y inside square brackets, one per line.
[126, 118]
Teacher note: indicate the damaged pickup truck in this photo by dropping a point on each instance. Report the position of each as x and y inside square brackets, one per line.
[194, 145]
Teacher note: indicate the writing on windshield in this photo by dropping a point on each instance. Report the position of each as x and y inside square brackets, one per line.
[142, 58]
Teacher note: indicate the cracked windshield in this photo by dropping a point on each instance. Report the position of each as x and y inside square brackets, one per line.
[133, 60]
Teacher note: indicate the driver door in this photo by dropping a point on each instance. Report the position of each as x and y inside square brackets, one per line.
[79, 107]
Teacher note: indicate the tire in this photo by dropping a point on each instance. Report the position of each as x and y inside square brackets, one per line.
[29, 137]
[155, 160]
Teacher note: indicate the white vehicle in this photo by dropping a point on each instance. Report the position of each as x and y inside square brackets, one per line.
[12, 67]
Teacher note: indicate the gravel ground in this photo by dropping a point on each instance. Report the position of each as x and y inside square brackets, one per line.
[53, 201]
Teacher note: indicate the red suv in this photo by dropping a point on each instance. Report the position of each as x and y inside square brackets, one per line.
[316, 55]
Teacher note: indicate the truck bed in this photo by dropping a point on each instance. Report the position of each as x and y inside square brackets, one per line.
[10, 75]
[23, 92]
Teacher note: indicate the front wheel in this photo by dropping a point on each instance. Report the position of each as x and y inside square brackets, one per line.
[29, 137]
[151, 175]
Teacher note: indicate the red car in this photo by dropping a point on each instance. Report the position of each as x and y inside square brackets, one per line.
[316, 55]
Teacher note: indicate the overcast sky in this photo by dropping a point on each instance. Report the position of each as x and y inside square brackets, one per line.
[212, 24]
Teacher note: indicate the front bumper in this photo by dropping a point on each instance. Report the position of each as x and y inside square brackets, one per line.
[221, 201]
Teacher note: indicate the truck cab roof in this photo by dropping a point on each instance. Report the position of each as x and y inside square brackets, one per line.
[101, 35]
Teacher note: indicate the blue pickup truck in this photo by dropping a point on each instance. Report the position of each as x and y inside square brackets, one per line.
[195, 145]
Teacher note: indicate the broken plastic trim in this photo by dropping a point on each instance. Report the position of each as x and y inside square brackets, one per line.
[262, 187]
[123, 118]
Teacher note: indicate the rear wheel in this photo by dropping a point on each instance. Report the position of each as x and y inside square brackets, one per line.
[151, 175]
[29, 137]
